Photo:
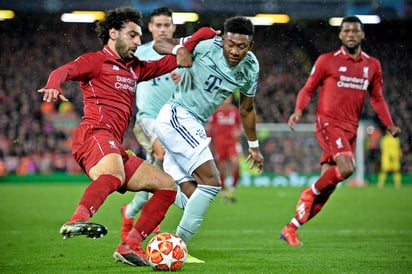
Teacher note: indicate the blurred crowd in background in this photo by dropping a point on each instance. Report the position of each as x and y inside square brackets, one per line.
[35, 137]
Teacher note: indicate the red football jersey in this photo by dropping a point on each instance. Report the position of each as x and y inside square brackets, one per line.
[343, 83]
[225, 125]
[108, 85]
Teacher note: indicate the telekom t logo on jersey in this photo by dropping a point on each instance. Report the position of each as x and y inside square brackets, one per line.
[212, 82]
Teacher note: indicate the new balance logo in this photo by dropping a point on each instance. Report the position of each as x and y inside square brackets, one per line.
[343, 69]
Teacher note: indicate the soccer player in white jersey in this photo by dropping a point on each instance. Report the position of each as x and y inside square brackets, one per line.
[221, 66]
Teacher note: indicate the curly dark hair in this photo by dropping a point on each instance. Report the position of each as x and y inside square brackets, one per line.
[351, 19]
[117, 19]
[240, 25]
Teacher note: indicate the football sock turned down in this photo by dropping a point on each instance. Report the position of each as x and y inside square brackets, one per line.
[195, 211]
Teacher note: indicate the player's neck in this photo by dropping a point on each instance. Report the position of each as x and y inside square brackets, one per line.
[353, 52]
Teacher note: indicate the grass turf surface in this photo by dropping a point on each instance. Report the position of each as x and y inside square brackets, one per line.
[360, 230]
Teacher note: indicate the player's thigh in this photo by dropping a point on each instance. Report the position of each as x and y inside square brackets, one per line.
[109, 164]
[207, 174]
[150, 178]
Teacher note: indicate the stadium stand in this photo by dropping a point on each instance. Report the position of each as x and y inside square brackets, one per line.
[32, 46]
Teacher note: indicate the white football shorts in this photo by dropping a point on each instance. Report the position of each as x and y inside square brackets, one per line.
[185, 142]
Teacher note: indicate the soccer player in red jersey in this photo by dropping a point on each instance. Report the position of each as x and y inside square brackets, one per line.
[225, 127]
[344, 76]
[108, 78]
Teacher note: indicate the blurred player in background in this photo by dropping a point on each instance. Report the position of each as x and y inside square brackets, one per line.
[225, 128]
[391, 155]
[345, 77]
[108, 79]
[221, 66]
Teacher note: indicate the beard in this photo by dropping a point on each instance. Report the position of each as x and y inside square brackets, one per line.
[123, 50]
[353, 49]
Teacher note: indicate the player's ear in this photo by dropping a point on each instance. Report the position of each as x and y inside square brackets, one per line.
[113, 33]
[251, 44]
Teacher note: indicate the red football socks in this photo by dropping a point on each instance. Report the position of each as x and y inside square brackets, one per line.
[153, 212]
[330, 178]
[94, 196]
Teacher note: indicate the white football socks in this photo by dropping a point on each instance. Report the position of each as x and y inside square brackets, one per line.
[139, 199]
[195, 211]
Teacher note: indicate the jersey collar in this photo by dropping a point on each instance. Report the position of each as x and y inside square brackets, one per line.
[347, 56]
[110, 52]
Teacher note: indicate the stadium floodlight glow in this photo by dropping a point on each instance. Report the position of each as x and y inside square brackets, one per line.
[180, 18]
[276, 18]
[79, 16]
[98, 15]
[6, 14]
[365, 19]
[266, 19]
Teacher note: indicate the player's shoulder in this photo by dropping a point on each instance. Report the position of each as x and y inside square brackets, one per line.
[251, 58]
[370, 58]
[215, 43]
[145, 47]
[331, 54]
[97, 56]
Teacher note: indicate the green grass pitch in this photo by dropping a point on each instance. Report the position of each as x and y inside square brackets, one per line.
[361, 230]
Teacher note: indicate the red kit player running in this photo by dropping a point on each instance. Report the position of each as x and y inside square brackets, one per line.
[225, 128]
[344, 76]
[108, 78]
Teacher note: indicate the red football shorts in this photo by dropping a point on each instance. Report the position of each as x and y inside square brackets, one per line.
[90, 144]
[224, 151]
[334, 140]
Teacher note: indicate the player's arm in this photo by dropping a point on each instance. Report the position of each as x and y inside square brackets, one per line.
[52, 90]
[173, 45]
[306, 92]
[82, 68]
[248, 116]
[379, 104]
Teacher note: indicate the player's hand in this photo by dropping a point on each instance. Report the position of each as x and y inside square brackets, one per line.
[294, 118]
[183, 58]
[218, 32]
[176, 77]
[51, 95]
[394, 130]
[256, 157]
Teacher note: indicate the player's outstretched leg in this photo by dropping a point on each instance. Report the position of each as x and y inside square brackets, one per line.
[306, 209]
[303, 209]
[90, 230]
